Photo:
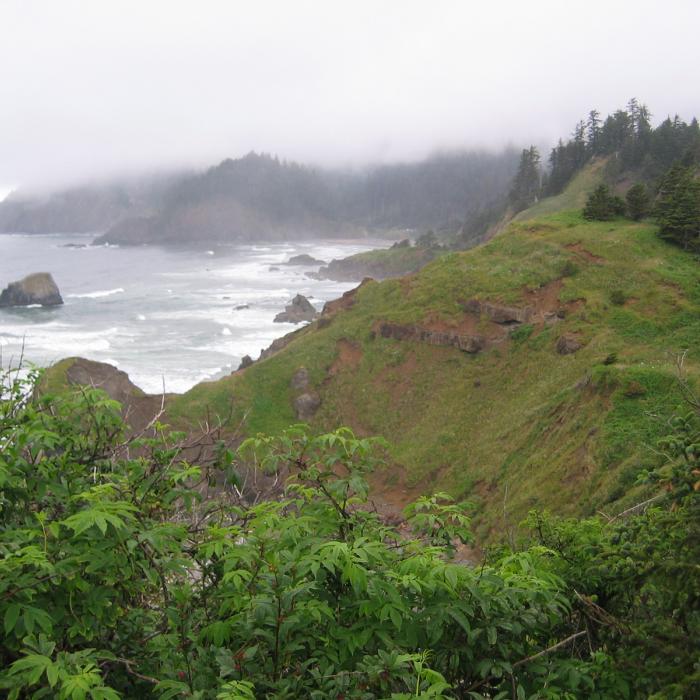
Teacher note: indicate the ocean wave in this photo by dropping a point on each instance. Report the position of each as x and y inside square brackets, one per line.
[97, 295]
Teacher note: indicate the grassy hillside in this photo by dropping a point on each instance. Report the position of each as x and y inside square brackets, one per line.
[568, 432]
[573, 197]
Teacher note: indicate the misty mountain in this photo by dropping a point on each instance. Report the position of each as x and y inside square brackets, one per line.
[259, 197]
[87, 208]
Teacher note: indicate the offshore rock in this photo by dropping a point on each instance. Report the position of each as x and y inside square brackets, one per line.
[38, 288]
[300, 310]
[304, 259]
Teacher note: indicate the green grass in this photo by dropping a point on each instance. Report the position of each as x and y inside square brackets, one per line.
[559, 431]
[573, 197]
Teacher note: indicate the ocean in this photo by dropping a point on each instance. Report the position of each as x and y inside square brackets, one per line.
[168, 317]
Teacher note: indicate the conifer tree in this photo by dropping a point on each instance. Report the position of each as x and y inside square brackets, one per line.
[678, 207]
[602, 205]
[638, 201]
[593, 131]
[526, 184]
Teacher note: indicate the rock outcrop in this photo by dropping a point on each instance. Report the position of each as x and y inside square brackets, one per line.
[38, 288]
[307, 403]
[497, 312]
[279, 343]
[346, 301]
[467, 343]
[246, 361]
[568, 344]
[379, 264]
[113, 381]
[300, 379]
[298, 311]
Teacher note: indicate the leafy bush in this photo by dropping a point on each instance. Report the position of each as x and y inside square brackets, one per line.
[119, 580]
[521, 333]
[618, 297]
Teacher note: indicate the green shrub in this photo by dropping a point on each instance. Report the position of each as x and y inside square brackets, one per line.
[618, 297]
[521, 333]
[118, 580]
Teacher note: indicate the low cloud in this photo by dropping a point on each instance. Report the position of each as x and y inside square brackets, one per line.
[98, 89]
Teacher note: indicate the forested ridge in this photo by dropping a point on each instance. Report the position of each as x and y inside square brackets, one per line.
[632, 147]
[260, 197]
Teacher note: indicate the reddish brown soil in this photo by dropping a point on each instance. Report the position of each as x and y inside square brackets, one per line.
[585, 254]
[349, 357]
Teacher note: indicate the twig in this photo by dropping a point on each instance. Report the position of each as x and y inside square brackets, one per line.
[128, 664]
[548, 650]
[639, 508]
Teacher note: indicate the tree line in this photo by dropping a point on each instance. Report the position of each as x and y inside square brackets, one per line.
[663, 161]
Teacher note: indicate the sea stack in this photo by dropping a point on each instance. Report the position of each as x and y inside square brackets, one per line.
[299, 310]
[38, 288]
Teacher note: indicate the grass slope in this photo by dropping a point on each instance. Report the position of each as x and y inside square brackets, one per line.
[574, 195]
[517, 421]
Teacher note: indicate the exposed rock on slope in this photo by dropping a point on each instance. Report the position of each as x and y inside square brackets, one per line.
[138, 408]
[568, 344]
[499, 313]
[38, 288]
[466, 343]
[308, 402]
[346, 300]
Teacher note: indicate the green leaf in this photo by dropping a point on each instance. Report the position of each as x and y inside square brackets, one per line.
[11, 617]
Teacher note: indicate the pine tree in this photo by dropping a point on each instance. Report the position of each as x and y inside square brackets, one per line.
[526, 184]
[602, 205]
[638, 201]
[593, 132]
[678, 208]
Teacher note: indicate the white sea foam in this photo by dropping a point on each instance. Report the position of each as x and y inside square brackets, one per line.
[97, 295]
[192, 333]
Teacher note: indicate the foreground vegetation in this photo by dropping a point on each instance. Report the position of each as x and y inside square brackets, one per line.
[119, 580]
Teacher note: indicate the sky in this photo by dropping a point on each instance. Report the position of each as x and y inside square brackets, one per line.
[100, 89]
